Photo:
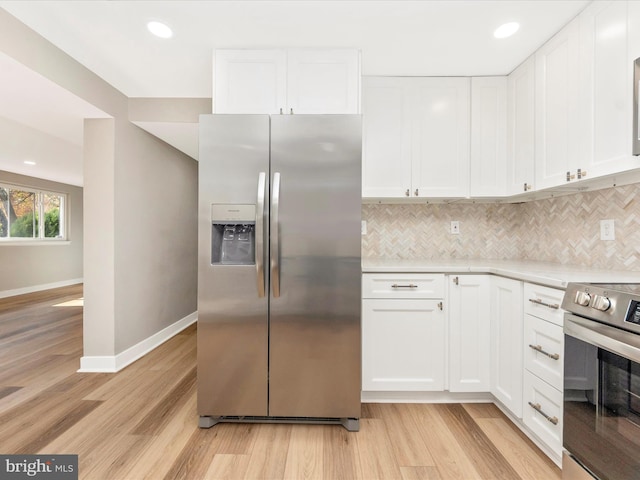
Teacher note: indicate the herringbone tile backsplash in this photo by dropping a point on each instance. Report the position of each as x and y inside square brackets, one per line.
[564, 229]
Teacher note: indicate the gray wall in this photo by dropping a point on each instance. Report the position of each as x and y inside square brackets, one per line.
[155, 235]
[26, 266]
[150, 254]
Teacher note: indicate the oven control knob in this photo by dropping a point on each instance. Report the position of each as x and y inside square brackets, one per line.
[582, 298]
[601, 303]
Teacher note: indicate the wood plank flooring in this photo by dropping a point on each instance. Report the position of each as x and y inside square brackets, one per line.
[141, 423]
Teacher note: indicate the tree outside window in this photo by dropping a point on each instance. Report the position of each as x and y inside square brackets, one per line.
[21, 210]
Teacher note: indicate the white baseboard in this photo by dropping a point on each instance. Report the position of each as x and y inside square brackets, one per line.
[111, 364]
[426, 397]
[39, 288]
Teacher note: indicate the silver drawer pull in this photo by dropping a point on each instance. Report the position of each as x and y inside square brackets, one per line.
[411, 285]
[538, 348]
[537, 301]
[538, 408]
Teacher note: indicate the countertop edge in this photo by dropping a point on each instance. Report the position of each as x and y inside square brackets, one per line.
[547, 274]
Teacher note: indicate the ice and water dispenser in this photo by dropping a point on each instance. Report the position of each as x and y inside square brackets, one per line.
[233, 234]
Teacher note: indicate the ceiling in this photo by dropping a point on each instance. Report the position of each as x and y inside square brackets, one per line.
[422, 38]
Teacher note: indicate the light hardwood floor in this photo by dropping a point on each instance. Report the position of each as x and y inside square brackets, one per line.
[142, 422]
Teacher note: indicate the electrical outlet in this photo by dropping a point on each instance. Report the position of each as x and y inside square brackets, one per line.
[363, 230]
[455, 227]
[607, 230]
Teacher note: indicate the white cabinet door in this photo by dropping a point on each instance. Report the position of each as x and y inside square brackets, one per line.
[403, 345]
[488, 136]
[323, 81]
[633, 10]
[606, 95]
[557, 115]
[521, 128]
[386, 137]
[250, 81]
[440, 137]
[287, 81]
[469, 333]
[506, 343]
[415, 137]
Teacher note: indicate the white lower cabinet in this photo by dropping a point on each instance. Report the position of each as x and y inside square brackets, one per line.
[469, 335]
[403, 332]
[544, 365]
[403, 345]
[544, 350]
[543, 411]
[506, 343]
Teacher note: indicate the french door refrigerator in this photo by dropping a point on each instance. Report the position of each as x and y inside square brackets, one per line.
[279, 275]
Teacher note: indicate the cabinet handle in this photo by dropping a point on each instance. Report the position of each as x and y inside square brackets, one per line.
[581, 173]
[280, 111]
[407, 193]
[455, 280]
[411, 285]
[417, 192]
[440, 306]
[527, 187]
[538, 408]
[538, 348]
[291, 112]
[537, 301]
[568, 176]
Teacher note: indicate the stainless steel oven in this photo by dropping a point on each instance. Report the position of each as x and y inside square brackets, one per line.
[601, 434]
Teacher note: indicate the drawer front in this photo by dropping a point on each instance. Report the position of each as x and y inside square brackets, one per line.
[542, 396]
[544, 350]
[402, 285]
[543, 302]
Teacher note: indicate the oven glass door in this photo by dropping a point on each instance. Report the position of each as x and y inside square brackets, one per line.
[602, 407]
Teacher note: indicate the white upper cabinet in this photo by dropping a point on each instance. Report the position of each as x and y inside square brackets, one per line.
[287, 81]
[386, 137]
[488, 136]
[440, 160]
[250, 81]
[606, 95]
[323, 81]
[557, 107]
[415, 137]
[584, 97]
[521, 128]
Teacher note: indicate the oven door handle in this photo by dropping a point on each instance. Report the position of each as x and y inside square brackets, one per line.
[615, 340]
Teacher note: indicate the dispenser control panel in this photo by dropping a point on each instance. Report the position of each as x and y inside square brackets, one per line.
[233, 234]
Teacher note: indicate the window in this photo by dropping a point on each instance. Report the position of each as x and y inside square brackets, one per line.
[21, 210]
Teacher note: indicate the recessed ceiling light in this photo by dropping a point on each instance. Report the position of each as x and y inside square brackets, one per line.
[506, 30]
[29, 162]
[160, 29]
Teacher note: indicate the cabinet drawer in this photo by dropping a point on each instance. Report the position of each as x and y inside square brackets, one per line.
[543, 302]
[544, 350]
[402, 285]
[539, 397]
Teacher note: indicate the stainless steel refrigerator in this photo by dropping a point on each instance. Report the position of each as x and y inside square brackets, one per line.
[279, 274]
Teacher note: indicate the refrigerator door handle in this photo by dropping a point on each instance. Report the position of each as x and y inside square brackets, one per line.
[259, 244]
[275, 236]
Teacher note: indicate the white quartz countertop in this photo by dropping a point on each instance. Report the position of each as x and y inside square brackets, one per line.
[549, 274]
